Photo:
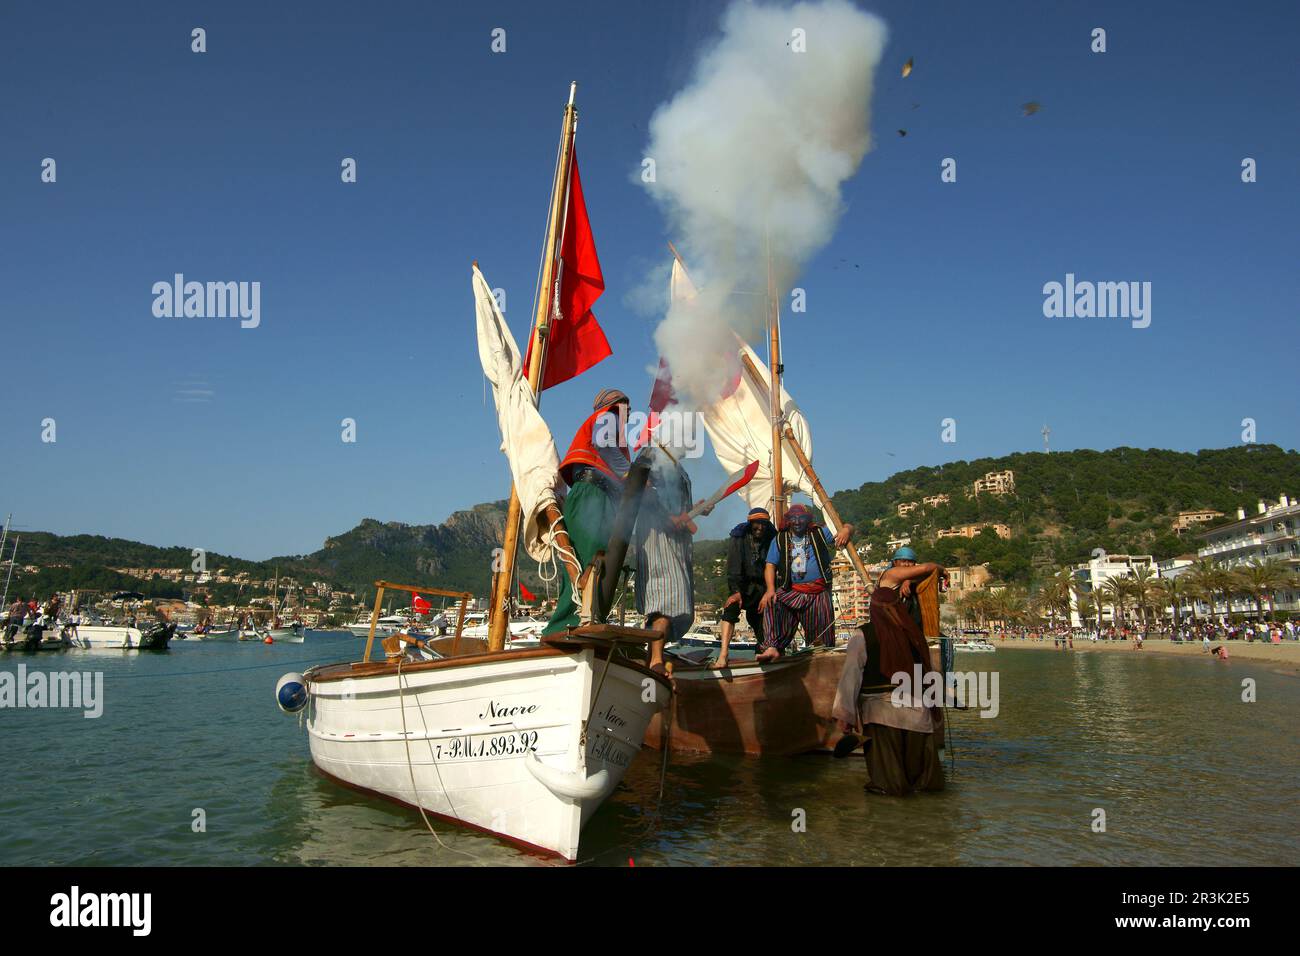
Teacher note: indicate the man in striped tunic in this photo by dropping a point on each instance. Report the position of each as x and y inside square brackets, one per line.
[798, 577]
[665, 586]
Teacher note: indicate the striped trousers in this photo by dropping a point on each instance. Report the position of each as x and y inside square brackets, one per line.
[792, 609]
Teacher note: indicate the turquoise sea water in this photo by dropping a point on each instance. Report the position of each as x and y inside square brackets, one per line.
[1186, 773]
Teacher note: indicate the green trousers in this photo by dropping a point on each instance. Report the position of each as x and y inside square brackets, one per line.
[589, 517]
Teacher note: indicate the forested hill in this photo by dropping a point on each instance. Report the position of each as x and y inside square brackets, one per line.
[1067, 503]
[456, 554]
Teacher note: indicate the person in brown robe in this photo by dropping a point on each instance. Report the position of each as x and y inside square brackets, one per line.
[903, 753]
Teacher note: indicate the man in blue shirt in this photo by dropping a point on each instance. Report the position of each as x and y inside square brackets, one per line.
[798, 577]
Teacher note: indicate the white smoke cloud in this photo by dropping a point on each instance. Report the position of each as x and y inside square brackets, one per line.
[758, 145]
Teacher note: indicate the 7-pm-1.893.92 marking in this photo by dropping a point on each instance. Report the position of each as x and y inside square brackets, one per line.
[494, 745]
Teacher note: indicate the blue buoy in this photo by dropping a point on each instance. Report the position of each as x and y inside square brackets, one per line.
[291, 693]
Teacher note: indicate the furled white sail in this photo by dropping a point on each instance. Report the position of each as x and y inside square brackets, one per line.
[740, 425]
[525, 437]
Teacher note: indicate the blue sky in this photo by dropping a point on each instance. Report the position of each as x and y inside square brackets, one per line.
[927, 304]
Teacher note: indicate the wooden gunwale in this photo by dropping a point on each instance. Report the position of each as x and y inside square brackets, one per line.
[349, 670]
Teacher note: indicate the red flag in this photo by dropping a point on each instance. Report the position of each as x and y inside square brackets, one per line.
[576, 341]
[526, 594]
[419, 605]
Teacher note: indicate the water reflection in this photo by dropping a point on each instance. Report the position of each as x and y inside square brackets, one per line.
[1186, 772]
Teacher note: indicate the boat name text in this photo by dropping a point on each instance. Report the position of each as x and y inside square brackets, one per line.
[502, 710]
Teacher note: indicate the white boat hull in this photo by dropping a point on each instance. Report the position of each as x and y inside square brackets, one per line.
[102, 635]
[287, 635]
[229, 634]
[494, 741]
[363, 630]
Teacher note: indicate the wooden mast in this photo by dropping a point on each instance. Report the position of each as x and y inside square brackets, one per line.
[503, 580]
[819, 490]
[787, 434]
[774, 390]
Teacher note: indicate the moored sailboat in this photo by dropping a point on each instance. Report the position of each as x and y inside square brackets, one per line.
[522, 743]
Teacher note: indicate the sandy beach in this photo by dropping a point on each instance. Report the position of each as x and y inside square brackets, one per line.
[1285, 655]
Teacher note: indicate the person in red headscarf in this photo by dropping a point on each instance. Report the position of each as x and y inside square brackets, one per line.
[798, 578]
[594, 469]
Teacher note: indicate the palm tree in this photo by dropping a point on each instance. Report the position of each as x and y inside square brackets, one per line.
[1175, 591]
[1010, 604]
[1207, 579]
[977, 607]
[1140, 590]
[1058, 593]
[1099, 605]
[1260, 579]
[1117, 592]
[1083, 601]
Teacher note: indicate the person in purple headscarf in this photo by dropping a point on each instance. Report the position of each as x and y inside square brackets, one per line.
[798, 578]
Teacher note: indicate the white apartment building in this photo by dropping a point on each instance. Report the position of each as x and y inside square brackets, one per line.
[1096, 572]
[1272, 533]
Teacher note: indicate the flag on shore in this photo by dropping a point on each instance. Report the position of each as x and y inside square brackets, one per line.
[575, 340]
[526, 594]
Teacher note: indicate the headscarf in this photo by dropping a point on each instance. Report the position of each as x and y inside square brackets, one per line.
[902, 554]
[608, 396]
[798, 511]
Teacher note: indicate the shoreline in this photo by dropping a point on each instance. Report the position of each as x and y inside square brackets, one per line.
[1286, 655]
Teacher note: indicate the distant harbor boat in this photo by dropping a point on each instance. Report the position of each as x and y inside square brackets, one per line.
[385, 626]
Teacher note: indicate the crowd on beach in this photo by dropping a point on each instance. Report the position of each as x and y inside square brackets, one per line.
[1207, 632]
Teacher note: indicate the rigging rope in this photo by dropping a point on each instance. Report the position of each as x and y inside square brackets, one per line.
[410, 767]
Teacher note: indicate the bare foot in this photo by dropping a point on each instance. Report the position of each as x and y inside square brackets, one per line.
[720, 663]
[767, 656]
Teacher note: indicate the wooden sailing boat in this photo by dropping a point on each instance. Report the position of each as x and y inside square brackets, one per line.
[782, 707]
[525, 744]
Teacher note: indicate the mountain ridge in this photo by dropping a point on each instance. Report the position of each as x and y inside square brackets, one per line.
[1065, 504]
